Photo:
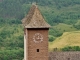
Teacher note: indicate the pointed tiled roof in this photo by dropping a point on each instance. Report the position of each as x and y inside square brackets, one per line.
[34, 19]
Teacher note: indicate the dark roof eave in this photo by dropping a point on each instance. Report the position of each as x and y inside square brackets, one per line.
[38, 27]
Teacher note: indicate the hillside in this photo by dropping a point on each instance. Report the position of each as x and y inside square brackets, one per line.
[67, 39]
[54, 11]
[62, 15]
[60, 28]
[64, 27]
[11, 42]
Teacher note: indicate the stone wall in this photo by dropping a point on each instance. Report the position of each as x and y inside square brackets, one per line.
[71, 55]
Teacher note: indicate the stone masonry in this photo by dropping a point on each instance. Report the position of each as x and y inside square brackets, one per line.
[71, 55]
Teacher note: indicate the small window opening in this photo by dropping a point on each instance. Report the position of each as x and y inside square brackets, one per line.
[37, 50]
[68, 58]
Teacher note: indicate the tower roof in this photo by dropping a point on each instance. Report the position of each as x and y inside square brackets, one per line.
[34, 19]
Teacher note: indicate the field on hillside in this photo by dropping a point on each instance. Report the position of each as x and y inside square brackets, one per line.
[62, 15]
[67, 39]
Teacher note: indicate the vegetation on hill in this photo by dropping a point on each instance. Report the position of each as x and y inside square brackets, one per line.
[62, 15]
[11, 42]
[67, 39]
[54, 11]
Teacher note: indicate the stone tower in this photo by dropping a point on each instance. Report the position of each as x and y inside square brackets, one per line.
[35, 35]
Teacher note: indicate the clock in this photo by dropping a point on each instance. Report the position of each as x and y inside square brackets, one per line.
[37, 38]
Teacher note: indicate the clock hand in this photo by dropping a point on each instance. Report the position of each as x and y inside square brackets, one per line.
[38, 37]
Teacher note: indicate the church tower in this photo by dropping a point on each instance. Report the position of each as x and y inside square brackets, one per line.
[35, 35]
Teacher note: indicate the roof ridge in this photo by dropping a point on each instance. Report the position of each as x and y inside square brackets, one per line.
[28, 16]
[34, 19]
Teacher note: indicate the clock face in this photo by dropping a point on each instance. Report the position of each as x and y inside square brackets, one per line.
[37, 38]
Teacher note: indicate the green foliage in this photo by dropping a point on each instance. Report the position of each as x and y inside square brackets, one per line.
[77, 25]
[55, 49]
[54, 12]
[55, 32]
[11, 54]
[70, 48]
[51, 38]
[11, 42]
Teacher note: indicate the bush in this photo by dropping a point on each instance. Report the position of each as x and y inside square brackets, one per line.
[71, 48]
[11, 54]
[51, 38]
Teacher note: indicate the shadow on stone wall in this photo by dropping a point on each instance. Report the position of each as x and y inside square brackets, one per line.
[71, 55]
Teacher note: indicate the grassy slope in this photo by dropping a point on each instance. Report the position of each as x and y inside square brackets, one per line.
[64, 27]
[67, 39]
[14, 39]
